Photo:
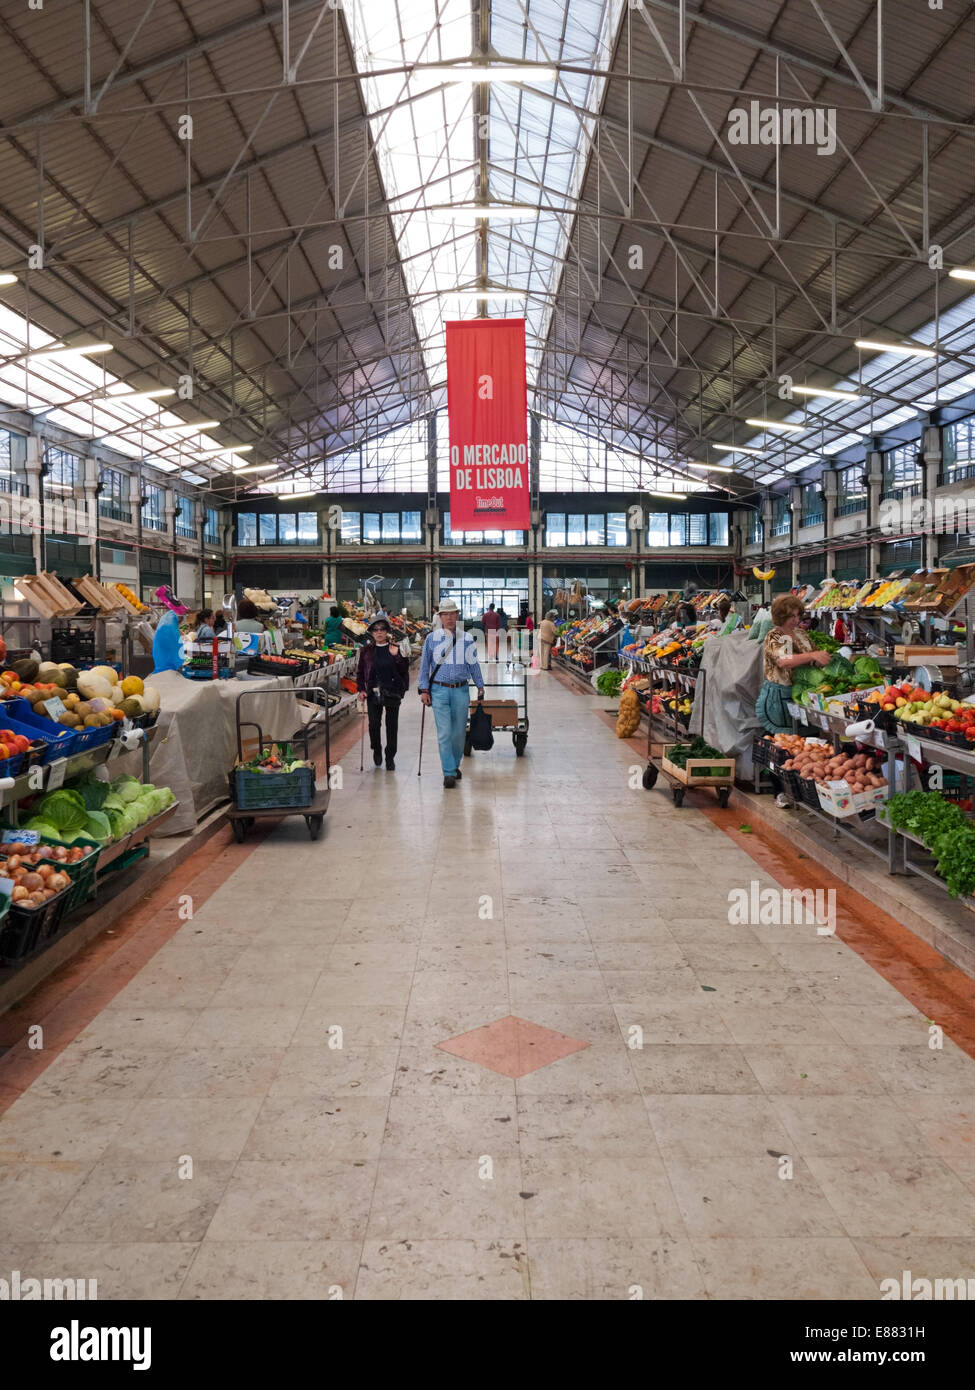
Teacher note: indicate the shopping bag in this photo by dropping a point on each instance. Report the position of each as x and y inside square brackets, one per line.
[481, 731]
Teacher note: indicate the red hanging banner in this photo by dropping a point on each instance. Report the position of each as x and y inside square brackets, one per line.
[487, 407]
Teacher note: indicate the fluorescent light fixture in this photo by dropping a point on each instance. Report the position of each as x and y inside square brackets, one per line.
[475, 213]
[189, 429]
[68, 351]
[225, 449]
[525, 72]
[136, 395]
[773, 424]
[7, 279]
[960, 272]
[259, 468]
[483, 294]
[908, 349]
[828, 393]
[737, 449]
[59, 487]
[678, 496]
[714, 467]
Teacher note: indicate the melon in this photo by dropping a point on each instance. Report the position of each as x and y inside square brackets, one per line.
[151, 698]
[132, 705]
[107, 673]
[47, 670]
[91, 685]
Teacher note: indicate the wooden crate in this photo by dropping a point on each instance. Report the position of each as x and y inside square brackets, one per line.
[99, 595]
[503, 713]
[690, 778]
[47, 595]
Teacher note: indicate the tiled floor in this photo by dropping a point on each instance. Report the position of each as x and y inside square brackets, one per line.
[312, 1086]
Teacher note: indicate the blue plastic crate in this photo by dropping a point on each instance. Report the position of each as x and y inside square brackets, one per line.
[61, 742]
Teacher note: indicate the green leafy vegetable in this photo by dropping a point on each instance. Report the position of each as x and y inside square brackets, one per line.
[609, 682]
[98, 827]
[64, 809]
[942, 828]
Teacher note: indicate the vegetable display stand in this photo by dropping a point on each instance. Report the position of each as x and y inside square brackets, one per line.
[705, 771]
[509, 715]
[694, 685]
[272, 795]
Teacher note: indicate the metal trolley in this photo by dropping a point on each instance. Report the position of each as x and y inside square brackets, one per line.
[679, 779]
[507, 714]
[241, 817]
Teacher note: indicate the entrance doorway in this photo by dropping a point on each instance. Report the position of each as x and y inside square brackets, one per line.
[474, 588]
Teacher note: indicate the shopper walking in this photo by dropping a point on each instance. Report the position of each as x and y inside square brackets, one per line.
[491, 623]
[547, 637]
[382, 679]
[447, 666]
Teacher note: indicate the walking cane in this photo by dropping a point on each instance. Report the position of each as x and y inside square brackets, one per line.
[422, 721]
[362, 737]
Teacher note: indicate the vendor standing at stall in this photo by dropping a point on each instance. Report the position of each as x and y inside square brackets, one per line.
[786, 647]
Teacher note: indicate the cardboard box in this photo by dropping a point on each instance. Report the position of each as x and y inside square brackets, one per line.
[926, 656]
[504, 713]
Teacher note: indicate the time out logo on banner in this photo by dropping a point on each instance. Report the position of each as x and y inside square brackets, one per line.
[487, 409]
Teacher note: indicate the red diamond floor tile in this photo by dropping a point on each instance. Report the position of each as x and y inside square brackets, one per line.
[512, 1046]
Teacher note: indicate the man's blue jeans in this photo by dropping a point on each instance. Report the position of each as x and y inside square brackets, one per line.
[451, 707]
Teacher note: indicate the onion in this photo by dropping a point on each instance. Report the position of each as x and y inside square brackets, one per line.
[14, 861]
[45, 870]
[17, 848]
[19, 894]
[57, 882]
[32, 882]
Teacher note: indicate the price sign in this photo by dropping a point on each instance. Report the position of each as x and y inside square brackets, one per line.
[21, 837]
[914, 749]
[55, 707]
[6, 886]
[55, 774]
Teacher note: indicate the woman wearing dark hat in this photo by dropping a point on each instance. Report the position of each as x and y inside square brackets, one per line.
[382, 679]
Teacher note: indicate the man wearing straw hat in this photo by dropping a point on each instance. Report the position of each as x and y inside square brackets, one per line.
[447, 666]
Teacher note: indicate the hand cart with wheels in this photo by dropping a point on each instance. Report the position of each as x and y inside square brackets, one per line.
[507, 714]
[718, 773]
[658, 747]
[271, 795]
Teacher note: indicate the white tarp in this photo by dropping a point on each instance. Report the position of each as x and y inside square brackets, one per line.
[725, 717]
[196, 740]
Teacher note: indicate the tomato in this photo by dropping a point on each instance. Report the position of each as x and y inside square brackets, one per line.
[970, 733]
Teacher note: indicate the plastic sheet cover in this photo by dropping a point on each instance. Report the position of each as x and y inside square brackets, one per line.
[733, 673]
[196, 740]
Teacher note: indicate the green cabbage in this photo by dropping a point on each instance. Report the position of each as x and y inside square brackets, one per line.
[98, 827]
[126, 789]
[43, 827]
[63, 808]
[93, 793]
